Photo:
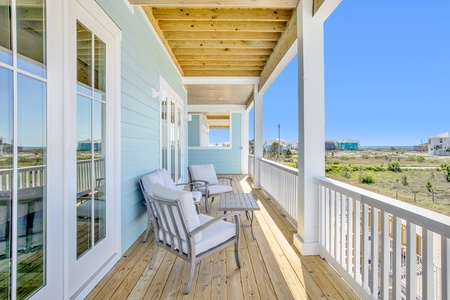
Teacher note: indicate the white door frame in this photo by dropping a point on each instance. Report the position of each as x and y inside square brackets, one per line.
[81, 275]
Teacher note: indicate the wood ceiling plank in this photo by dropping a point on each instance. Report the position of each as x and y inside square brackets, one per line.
[229, 68]
[317, 4]
[220, 62]
[251, 26]
[160, 34]
[221, 51]
[287, 39]
[218, 117]
[223, 43]
[221, 14]
[208, 35]
[219, 3]
[224, 57]
[196, 73]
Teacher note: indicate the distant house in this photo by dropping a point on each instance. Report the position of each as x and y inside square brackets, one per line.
[283, 144]
[439, 144]
[294, 145]
[422, 147]
[347, 144]
[330, 145]
[86, 145]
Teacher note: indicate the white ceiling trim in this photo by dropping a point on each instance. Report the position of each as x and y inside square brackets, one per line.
[221, 80]
[215, 108]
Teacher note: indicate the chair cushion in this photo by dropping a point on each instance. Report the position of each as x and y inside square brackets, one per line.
[216, 189]
[187, 208]
[204, 172]
[167, 178]
[197, 196]
[213, 235]
[151, 179]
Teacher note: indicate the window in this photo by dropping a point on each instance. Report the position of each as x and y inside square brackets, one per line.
[211, 130]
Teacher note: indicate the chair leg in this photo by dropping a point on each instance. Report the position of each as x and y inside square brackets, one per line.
[153, 260]
[190, 276]
[236, 254]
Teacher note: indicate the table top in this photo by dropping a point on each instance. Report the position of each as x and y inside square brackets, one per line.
[237, 202]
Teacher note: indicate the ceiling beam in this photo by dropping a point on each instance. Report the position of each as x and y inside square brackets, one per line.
[284, 44]
[203, 73]
[222, 35]
[219, 3]
[160, 34]
[223, 57]
[252, 26]
[221, 51]
[229, 68]
[220, 62]
[223, 43]
[220, 14]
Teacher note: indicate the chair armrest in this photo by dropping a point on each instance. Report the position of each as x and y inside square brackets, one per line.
[215, 220]
[189, 183]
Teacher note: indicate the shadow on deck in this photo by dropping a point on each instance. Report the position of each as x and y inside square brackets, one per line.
[271, 268]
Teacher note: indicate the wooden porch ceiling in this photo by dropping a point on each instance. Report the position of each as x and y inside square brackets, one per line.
[223, 38]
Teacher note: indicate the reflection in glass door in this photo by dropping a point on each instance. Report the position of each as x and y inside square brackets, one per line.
[91, 133]
[23, 148]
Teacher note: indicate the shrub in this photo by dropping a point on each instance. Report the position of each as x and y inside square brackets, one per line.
[367, 179]
[346, 173]
[394, 167]
[429, 186]
[365, 156]
[420, 159]
[405, 180]
[345, 157]
[445, 168]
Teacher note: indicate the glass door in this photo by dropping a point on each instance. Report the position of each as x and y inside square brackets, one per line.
[93, 235]
[23, 149]
[172, 126]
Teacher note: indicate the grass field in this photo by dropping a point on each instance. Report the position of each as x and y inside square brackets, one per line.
[407, 175]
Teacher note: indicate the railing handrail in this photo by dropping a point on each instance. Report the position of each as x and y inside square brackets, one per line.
[425, 218]
[280, 166]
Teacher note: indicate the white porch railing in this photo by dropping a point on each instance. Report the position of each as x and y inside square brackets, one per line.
[280, 182]
[29, 177]
[410, 245]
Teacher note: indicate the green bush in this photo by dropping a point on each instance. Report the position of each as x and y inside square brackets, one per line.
[420, 159]
[346, 173]
[394, 167]
[365, 156]
[405, 180]
[345, 158]
[429, 186]
[367, 179]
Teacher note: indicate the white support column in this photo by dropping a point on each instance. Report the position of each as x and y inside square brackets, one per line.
[311, 116]
[244, 147]
[258, 134]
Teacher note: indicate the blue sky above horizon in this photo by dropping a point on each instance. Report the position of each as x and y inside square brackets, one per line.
[387, 75]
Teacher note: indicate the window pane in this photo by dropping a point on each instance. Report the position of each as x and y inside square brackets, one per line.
[84, 172]
[6, 165]
[31, 148]
[100, 69]
[84, 59]
[99, 169]
[5, 33]
[179, 142]
[164, 134]
[31, 35]
[172, 140]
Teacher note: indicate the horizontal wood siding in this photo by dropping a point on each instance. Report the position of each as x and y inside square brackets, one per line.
[226, 161]
[143, 61]
[194, 131]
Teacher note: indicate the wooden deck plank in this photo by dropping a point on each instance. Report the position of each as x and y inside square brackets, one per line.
[271, 268]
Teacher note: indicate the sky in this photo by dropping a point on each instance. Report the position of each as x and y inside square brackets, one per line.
[387, 75]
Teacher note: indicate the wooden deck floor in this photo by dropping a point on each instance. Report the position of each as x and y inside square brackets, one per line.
[271, 268]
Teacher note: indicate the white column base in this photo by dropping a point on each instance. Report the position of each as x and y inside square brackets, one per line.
[305, 249]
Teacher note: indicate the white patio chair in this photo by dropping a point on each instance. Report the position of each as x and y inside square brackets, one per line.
[161, 176]
[206, 174]
[183, 232]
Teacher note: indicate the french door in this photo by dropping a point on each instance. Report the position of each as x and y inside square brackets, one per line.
[172, 133]
[93, 236]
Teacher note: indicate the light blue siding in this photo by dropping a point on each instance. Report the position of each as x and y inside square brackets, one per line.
[193, 131]
[143, 60]
[226, 161]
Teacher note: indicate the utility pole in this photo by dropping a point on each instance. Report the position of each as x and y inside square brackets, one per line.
[279, 142]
